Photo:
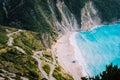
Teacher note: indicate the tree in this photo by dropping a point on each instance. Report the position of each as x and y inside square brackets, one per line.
[111, 73]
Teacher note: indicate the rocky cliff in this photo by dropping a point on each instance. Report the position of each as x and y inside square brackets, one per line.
[41, 22]
[54, 16]
[89, 16]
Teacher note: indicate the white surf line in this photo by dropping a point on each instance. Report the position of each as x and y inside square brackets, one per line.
[78, 55]
[35, 56]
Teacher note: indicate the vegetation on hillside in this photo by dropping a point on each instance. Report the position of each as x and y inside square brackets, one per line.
[20, 64]
[27, 14]
[109, 10]
[46, 68]
[111, 73]
[35, 15]
[3, 37]
[28, 41]
[59, 74]
[16, 64]
[2, 15]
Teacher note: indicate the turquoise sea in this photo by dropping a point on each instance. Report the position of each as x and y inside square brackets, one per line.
[99, 47]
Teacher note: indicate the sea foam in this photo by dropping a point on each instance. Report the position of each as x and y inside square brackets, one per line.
[78, 55]
[96, 48]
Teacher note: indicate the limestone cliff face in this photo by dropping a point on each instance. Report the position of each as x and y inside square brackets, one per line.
[53, 17]
[68, 21]
[89, 16]
[48, 17]
[57, 16]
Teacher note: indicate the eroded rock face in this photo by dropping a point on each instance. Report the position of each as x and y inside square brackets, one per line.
[67, 21]
[89, 16]
[51, 17]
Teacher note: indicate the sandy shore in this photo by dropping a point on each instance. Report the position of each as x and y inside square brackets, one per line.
[66, 58]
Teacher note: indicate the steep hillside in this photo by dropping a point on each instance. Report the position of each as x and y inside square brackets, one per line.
[27, 14]
[108, 10]
[51, 16]
[40, 16]
[23, 56]
[33, 26]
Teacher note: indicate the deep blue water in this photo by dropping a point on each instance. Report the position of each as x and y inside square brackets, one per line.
[100, 47]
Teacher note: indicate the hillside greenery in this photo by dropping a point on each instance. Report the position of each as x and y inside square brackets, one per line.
[112, 72]
[109, 10]
[20, 64]
[13, 61]
[37, 16]
[60, 74]
[27, 14]
[28, 41]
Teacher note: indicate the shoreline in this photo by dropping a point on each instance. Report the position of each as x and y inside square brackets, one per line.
[65, 54]
[78, 55]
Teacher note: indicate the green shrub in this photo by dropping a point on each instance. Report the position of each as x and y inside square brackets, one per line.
[3, 37]
[106, 9]
[58, 76]
[111, 73]
[21, 64]
[46, 68]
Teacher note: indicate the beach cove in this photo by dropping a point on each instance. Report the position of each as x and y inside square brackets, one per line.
[87, 53]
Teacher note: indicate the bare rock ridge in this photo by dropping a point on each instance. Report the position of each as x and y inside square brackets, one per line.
[29, 32]
[57, 16]
[68, 21]
[89, 16]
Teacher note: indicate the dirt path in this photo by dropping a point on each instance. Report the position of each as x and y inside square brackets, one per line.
[11, 40]
[36, 55]
[53, 65]
[37, 58]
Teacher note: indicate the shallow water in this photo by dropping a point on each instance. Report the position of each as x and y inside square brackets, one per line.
[99, 47]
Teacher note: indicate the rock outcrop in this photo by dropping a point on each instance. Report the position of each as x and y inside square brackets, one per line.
[89, 16]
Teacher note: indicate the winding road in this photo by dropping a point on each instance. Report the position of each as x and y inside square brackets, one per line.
[37, 58]
[36, 55]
